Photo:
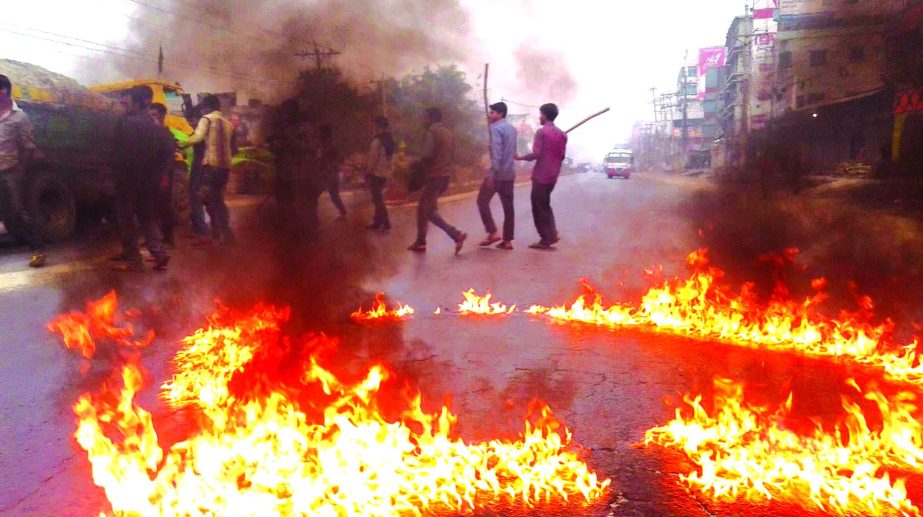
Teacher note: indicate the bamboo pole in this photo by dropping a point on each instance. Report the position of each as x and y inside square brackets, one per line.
[490, 135]
[584, 121]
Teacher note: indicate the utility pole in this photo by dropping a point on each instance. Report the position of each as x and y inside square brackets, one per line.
[685, 82]
[383, 89]
[318, 54]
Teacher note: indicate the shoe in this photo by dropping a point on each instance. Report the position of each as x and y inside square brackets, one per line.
[555, 240]
[385, 229]
[342, 217]
[505, 245]
[129, 267]
[489, 240]
[419, 248]
[37, 260]
[161, 263]
[373, 227]
[460, 241]
[119, 257]
[540, 245]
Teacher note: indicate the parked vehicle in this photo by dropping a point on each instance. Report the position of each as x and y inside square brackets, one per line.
[71, 170]
[620, 164]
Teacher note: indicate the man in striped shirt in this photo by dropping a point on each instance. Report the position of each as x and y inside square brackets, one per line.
[217, 133]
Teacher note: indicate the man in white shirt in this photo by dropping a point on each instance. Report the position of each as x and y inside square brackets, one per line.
[16, 148]
[217, 133]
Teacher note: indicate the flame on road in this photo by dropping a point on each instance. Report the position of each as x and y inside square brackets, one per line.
[476, 304]
[699, 307]
[81, 330]
[744, 452]
[259, 449]
[381, 312]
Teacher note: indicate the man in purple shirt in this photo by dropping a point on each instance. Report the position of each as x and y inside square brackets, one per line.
[548, 150]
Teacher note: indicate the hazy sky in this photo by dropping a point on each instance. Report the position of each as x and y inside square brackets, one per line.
[614, 50]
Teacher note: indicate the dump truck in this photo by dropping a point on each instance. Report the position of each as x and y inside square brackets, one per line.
[71, 171]
[72, 174]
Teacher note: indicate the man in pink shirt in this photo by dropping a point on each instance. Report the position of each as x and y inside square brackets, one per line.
[548, 150]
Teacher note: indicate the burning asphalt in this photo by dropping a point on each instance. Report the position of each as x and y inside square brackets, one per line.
[672, 391]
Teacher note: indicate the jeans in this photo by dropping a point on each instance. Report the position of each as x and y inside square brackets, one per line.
[138, 204]
[334, 191]
[12, 183]
[542, 213]
[165, 197]
[196, 206]
[505, 190]
[428, 209]
[216, 181]
[377, 187]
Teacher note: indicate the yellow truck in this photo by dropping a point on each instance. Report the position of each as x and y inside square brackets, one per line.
[169, 94]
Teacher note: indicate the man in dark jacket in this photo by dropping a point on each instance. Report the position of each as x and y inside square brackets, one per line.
[165, 193]
[139, 152]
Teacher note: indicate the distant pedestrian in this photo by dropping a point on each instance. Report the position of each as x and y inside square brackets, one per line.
[165, 194]
[140, 150]
[381, 152]
[17, 146]
[217, 133]
[548, 149]
[500, 178]
[292, 143]
[436, 161]
[197, 187]
[328, 165]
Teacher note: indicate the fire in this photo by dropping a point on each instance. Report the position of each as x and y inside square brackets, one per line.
[81, 330]
[380, 311]
[699, 307]
[260, 451]
[747, 452]
[475, 304]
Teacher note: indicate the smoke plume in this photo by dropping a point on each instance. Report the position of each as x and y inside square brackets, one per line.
[545, 74]
[261, 46]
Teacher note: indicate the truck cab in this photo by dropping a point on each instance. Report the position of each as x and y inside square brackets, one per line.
[171, 95]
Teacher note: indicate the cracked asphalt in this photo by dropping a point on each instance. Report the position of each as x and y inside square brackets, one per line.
[608, 386]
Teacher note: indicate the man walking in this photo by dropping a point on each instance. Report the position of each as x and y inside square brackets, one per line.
[328, 165]
[217, 133]
[16, 148]
[139, 153]
[500, 178]
[381, 152]
[548, 150]
[436, 160]
[165, 193]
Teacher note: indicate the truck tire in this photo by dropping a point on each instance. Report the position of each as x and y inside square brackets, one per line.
[52, 205]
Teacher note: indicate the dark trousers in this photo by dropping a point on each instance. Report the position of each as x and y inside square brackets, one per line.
[216, 182]
[196, 198]
[334, 191]
[428, 209]
[542, 213]
[377, 188]
[165, 197]
[17, 216]
[505, 190]
[138, 205]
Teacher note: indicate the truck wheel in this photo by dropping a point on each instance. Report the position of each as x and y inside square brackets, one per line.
[52, 205]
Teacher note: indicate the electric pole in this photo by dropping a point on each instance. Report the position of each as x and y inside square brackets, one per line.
[318, 54]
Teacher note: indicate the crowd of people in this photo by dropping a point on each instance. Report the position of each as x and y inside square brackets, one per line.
[307, 166]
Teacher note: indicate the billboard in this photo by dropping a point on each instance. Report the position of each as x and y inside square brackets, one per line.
[711, 57]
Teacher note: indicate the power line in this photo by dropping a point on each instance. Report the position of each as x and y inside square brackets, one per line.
[131, 54]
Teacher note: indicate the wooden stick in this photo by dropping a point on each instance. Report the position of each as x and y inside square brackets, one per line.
[584, 121]
[490, 135]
